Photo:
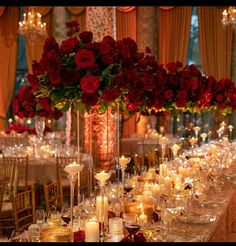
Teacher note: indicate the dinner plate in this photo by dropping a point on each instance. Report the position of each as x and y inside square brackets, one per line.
[197, 219]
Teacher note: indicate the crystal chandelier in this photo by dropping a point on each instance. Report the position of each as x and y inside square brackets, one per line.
[229, 16]
[32, 25]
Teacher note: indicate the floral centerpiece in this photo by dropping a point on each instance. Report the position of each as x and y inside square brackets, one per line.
[86, 73]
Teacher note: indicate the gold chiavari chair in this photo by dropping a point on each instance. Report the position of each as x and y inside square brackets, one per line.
[152, 158]
[21, 170]
[8, 190]
[139, 163]
[24, 209]
[53, 196]
[62, 176]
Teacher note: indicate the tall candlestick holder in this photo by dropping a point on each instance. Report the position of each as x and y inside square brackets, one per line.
[102, 177]
[72, 169]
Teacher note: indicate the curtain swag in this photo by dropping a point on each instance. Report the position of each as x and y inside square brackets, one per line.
[166, 7]
[75, 10]
[125, 9]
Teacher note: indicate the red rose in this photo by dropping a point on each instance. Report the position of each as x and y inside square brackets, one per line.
[194, 84]
[33, 80]
[54, 77]
[45, 103]
[90, 99]
[168, 94]
[172, 67]
[110, 40]
[37, 68]
[90, 84]
[111, 94]
[86, 37]
[219, 98]
[106, 59]
[131, 45]
[148, 81]
[105, 48]
[132, 107]
[70, 77]
[69, 45]
[50, 44]
[182, 94]
[123, 50]
[8, 131]
[158, 102]
[84, 59]
[181, 103]
[148, 50]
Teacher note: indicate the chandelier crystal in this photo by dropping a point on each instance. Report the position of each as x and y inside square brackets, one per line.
[229, 17]
[32, 25]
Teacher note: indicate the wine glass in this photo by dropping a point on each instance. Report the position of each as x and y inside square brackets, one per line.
[132, 227]
[40, 217]
[65, 214]
[54, 218]
[19, 236]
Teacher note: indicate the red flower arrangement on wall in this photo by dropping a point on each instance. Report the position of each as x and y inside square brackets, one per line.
[86, 73]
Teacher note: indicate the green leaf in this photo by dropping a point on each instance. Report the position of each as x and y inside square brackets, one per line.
[79, 105]
[102, 109]
[65, 107]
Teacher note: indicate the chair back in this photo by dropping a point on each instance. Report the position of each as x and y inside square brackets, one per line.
[62, 161]
[21, 165]
[53, 196]
[139, 163]
[24, 209]
[10, 175]
[152, 159]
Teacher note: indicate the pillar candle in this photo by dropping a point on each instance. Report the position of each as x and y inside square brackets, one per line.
[167, 183]
[156, 191]
[142, 218]
[92, 231]
[116, 229]
[100, 212]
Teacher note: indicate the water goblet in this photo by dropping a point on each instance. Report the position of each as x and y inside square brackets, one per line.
[40, 217]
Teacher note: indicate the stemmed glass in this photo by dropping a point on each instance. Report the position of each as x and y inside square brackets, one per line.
[192, 141]
[40, 217]
[163, 141]
[175, 148]
[102, 176]
[72, 169]
[123, 164]
[65, 214]
[196, 129]
[203, 136]
[132, 227]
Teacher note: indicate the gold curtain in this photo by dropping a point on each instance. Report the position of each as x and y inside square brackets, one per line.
[79, 14]
[174, 31]
[126, 27]
[8, 61]
[34, 46]
[215, 42]
[2, 8]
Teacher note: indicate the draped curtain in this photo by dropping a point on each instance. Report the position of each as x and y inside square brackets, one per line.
[78, 13]
[215, 42]
[126, 27]
[34, 45]
[8, 46]
[174, 30]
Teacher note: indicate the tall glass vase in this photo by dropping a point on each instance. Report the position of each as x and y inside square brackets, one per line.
[39, 126]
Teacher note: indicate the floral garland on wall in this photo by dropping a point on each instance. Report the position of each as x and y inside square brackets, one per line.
[85, 73]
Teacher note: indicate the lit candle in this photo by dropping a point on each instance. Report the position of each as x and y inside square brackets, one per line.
[92, 231]
[10, 121]
[163, 140]
[163, 170]
[102, 176]
[102, 211]
[73, 168]
[203, 136]
[156, 191]
[142, 218]
[124, 161]
[167, 183]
